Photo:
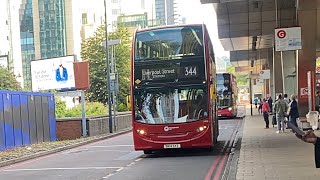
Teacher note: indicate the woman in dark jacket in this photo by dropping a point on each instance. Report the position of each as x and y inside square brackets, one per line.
[294, 112]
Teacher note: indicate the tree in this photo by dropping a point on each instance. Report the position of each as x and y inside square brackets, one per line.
[8, 80]
[95, 54]
[242, 79]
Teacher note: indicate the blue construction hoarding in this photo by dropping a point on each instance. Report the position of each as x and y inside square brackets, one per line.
[26, 118]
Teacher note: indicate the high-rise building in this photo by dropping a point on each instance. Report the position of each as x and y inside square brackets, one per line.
[10, 52]
[91, 17]
[42, 32]
[48, 29]
[168, 12]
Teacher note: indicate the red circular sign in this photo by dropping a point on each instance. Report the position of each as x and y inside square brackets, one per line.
[281, 34]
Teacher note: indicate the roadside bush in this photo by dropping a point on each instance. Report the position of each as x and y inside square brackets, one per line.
[60, 108]
[92, 109]
[122, 107]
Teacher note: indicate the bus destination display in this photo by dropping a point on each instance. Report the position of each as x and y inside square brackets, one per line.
[170, 73]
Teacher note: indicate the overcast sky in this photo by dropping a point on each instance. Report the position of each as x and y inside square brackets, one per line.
[195, 12]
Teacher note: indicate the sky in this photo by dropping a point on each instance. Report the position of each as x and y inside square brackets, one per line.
[195, 12]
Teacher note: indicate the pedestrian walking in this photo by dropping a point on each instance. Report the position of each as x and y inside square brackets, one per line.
[293, 110]
[255, 102]
[270, 101]
[286, 99]
[281, 108]
[265, 111]
[260, 106]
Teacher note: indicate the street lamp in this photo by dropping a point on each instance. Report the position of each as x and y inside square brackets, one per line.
[250, 92]
[108, 68]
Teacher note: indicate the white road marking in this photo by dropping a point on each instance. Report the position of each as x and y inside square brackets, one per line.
[108, 150]
[130, 156]
[94, 151]
[112, 146]
[131, 164]
[50, 169]
[138, 159]
[107, 176]
[120, 169]
[111, 174]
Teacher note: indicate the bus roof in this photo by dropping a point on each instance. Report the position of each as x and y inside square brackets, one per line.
[168, 26]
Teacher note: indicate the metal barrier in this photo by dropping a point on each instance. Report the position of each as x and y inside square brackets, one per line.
[26, 118]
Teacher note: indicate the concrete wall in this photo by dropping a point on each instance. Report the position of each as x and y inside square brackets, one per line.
[71, 128]
[100, 125]
[290, 72]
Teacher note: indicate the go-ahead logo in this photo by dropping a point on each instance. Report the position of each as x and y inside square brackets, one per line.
[167, 128]
[281, 34]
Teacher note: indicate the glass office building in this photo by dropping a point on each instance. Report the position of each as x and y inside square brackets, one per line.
[27, 40]
[52, 28]
[44, 37]
[167, 12]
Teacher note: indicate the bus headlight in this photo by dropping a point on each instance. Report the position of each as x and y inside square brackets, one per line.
[142, 132]
[230, 108]
[201, 128]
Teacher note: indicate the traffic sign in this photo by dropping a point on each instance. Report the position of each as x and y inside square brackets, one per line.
[114, 86]
[265, 74]
[112, 76]
[287, 39]
[304, 91]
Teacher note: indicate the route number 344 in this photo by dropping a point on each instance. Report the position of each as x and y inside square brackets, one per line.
[190, 71]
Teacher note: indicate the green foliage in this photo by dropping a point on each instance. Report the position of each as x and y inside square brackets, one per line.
[242, 79]
[95, 54]
[8, 80]
[318, 62]
[232, 70]
[60, 109]
[122, 107]
[92, 109]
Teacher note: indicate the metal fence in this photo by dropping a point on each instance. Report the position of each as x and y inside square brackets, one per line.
[26, 118]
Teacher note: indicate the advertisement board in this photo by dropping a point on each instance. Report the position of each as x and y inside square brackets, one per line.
[54, 73]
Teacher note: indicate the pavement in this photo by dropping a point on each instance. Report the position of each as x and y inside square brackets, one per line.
[265, 155]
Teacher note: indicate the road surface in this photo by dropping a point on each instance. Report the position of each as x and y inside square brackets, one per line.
[115, 159]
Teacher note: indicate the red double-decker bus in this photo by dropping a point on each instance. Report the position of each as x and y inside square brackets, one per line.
[173, 88]
[227, 95]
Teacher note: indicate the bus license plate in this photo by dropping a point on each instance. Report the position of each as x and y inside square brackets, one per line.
[172, 146]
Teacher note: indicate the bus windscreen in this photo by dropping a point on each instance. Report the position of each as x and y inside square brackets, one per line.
[163, 105]
[224, 90]
[169, 43]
